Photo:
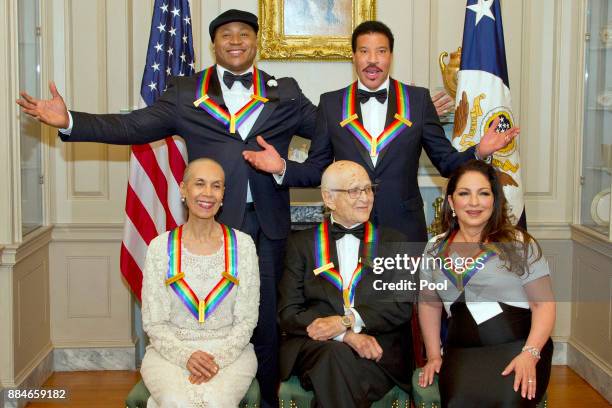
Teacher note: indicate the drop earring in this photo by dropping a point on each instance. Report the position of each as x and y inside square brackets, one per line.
[454, 214]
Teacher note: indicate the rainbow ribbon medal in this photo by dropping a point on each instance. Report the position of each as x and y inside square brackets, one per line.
[460, 280]
[326, 269]
[201, 309]
[401, 120]
[232, 122]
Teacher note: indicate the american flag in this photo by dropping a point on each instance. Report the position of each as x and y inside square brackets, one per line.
[153, 202]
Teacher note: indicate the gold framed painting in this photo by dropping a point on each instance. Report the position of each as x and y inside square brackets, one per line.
[310, 29]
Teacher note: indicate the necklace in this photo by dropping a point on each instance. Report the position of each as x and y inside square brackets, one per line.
[201, 309]
[461, 279]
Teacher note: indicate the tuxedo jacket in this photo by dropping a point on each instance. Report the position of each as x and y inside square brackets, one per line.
[398, 201]
[304, 297]
[288, 112]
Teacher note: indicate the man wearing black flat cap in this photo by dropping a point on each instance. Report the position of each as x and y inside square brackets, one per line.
[221, 112]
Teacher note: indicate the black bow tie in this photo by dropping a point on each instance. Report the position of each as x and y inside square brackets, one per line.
[245, 79]
[364, 96]
[338, 231]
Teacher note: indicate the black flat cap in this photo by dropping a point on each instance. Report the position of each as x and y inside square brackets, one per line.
[230, 16]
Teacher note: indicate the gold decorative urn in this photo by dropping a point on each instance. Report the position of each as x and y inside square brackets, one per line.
[449, 71]
[436, 224]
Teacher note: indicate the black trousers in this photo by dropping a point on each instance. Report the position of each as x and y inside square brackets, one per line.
[338, 376]
[271, 253]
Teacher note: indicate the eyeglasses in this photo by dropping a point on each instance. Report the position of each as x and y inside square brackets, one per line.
[356, 191]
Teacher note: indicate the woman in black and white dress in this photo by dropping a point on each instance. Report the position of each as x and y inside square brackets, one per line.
[500, 305]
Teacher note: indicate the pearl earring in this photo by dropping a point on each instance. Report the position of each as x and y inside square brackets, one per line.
[454, 214]
[182, 199]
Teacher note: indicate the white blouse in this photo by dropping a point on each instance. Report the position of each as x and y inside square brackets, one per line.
[489, 286]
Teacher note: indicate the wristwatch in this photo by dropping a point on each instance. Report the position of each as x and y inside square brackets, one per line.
[346, 321]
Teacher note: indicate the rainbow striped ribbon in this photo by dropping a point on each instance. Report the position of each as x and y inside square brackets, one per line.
[201, 309]
[326, 268]
[460, 280]
[233, 122]
[401, 120]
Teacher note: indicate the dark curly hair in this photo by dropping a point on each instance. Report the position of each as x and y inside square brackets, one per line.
[369, 27]
[512, 243]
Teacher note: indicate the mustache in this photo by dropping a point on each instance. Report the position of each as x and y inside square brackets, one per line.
[372, 66]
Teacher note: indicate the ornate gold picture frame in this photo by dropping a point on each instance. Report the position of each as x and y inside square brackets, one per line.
[310, 29]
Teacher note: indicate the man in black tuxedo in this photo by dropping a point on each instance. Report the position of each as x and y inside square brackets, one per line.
[393, 165]
[350, 350]
[254, 202]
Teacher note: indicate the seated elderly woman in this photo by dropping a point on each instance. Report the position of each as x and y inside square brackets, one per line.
[500, 304]
[200, 300]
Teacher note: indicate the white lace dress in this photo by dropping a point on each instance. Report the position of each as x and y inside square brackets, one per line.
[174, 333]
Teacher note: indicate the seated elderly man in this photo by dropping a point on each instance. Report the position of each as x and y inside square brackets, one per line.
[345, 340]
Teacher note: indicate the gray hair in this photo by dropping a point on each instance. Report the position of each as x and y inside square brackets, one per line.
[201, 160]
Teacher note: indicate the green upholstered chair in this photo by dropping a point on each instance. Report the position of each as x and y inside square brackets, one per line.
[138, 396]
[292, 395]
[429, 397]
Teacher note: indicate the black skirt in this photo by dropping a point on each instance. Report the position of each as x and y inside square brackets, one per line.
[475, 355]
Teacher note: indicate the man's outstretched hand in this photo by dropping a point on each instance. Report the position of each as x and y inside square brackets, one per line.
[267, 160]
[52, 112]
[493, 140]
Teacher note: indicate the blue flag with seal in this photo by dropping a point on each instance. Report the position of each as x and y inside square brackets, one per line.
[483, 93]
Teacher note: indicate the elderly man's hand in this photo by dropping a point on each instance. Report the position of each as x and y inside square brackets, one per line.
[366, 346]
[202, 367]
[325, 328]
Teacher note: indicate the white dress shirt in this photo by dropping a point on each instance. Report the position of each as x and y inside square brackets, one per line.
[374, 113]
[235, 99]
[347, 249]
